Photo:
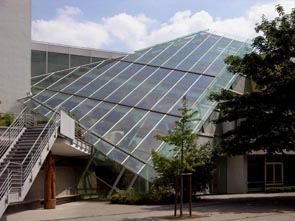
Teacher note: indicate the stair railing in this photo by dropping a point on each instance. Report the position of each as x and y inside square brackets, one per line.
[6, 176]
[41, 142]
[12, 132]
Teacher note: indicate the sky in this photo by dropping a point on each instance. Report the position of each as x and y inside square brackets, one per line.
[129, 25]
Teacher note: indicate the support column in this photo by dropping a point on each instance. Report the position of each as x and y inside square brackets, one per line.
[50, 181]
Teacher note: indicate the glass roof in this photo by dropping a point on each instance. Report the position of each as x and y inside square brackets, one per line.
[124, 103]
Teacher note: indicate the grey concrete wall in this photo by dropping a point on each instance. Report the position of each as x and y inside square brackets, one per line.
[66, 181]
[237, 174]
[15, 53]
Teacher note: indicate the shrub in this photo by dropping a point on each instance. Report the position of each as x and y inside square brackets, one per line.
[6, 119]
[280, 189]
[141, 198]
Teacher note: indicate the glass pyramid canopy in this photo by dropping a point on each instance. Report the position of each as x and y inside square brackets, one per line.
[123, 103]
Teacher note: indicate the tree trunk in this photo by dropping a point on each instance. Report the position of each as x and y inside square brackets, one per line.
[50, 180]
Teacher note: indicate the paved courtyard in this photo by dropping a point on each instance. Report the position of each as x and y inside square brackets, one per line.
[246, 207]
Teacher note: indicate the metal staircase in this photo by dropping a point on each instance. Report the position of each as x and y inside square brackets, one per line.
[23, 149]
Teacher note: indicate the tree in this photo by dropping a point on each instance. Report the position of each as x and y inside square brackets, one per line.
[265, 117]
[188, 157]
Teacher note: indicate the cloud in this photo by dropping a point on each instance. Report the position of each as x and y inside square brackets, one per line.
[66, 28]
[130, 32]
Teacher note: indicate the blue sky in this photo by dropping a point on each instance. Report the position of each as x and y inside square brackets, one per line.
[127, 25]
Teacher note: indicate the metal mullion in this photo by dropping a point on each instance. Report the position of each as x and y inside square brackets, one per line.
[153, 107]
[126, 96]
[164, 115]
[218, 56]
[166, 48]
[53, 84]
[70, 83]
[144, 138]
[177, 103]
[139, 56]
[175, 53]
[110, 94]
[41, 75]
[101, 86]
[221, 37]
[75, 69]
[90, 110]
[135, 74]
[215, 79]
[189, 54]
[143, 98]
[88, 82]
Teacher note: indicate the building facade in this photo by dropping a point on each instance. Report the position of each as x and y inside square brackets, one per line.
[117, 102]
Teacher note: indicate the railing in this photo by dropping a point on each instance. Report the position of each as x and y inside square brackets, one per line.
[13, 179]
[11, 133]
[6, 176]
[41, 142]
[80, 141]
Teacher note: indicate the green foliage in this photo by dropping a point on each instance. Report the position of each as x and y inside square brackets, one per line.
[188, 157]
[265, 117]
[280, 189]
[6, 119]
[141, 198]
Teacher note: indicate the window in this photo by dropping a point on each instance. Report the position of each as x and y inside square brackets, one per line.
[274, 173]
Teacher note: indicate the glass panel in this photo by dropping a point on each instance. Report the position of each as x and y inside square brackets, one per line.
[145, 87]
[124, 125]
[135, 136]
[53, 78]
[269, 173]
[176, 93]
[184, 52]
[155, 51]
[114, 84]
[72, 102]
[117, 155]
[57, 100]
[163, 57]
[109, 120]
[209, 57]
[44, 95]
[219, 64]
[84, 108]
[130, 85]
[133, 164]
[57, 61]
[148, 173]
[36, 79]
[194, 93]
[96, 114]
[77, 60]
[103, 146]
[278, 173]
[157, 93]
[150, 142]
[104, 77]
[65, 82]
[134, 56]
[77, 79]
[198, 53]
[38, 63]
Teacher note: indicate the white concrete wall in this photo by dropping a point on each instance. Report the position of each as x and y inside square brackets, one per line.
[237, 174]
[15, 53]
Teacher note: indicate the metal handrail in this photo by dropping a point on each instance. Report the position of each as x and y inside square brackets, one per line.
[11, 133]
[6, 185]
[51, 125]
